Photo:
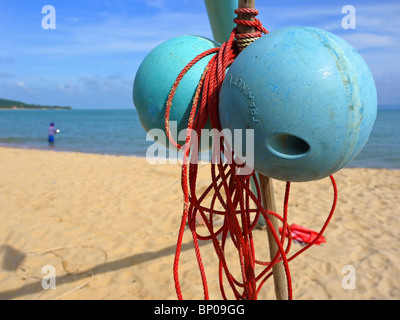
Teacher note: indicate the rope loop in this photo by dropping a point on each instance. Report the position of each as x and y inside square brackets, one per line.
[245, 39]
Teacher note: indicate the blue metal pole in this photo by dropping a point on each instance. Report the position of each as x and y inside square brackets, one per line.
[221, 15]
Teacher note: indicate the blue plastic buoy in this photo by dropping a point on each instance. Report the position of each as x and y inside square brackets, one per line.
[156, 76]
[310, 98]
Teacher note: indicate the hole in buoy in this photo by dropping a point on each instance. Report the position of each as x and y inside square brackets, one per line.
[287, 145]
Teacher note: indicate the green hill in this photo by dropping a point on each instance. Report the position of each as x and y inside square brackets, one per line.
[11, 104]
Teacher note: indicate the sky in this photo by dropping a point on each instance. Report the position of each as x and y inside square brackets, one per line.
[90, 59]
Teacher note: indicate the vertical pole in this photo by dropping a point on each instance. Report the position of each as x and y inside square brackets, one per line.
[249, 17]
[267, 187]
[267, 190]
[221, 14]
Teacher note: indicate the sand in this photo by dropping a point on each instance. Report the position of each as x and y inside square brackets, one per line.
[107, 227]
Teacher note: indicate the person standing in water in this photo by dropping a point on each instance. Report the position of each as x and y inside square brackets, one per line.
[52, 132]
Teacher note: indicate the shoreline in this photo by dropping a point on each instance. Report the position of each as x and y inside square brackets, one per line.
[109, 224]
[48, 149]
[6, 109]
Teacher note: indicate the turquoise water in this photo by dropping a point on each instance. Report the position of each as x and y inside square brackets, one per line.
[118, 132]
[115, 132]
[383, 147]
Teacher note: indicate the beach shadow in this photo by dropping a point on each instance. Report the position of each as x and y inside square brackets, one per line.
[124, 263]
[10, 256]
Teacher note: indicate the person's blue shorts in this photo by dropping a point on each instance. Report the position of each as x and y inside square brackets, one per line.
[51, 139]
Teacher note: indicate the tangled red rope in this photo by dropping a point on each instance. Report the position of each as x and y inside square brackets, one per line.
[241, 207]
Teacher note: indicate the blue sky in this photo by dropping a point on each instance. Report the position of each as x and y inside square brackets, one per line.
[91, 58]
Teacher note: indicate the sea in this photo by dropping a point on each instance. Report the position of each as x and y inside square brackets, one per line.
[119, 132]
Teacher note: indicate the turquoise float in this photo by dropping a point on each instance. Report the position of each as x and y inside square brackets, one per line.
[310, 98]
[156, 76]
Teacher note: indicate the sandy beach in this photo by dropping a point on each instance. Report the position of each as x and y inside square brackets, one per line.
[108, 226]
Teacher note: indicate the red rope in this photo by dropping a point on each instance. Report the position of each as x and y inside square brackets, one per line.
[241, 208]
[255, 24]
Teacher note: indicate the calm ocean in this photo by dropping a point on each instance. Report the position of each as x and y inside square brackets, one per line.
[118, 132]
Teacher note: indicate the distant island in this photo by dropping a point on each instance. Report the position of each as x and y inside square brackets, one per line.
[18, 105]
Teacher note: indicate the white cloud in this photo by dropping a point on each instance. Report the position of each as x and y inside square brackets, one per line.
[19, 87]
[363, 41]
[99, 85]
[118, 34]
[380, 22]
[159, 4]
[69, 89]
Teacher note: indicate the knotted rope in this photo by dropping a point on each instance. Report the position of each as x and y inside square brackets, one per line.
[245, 39]
[241, 207]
